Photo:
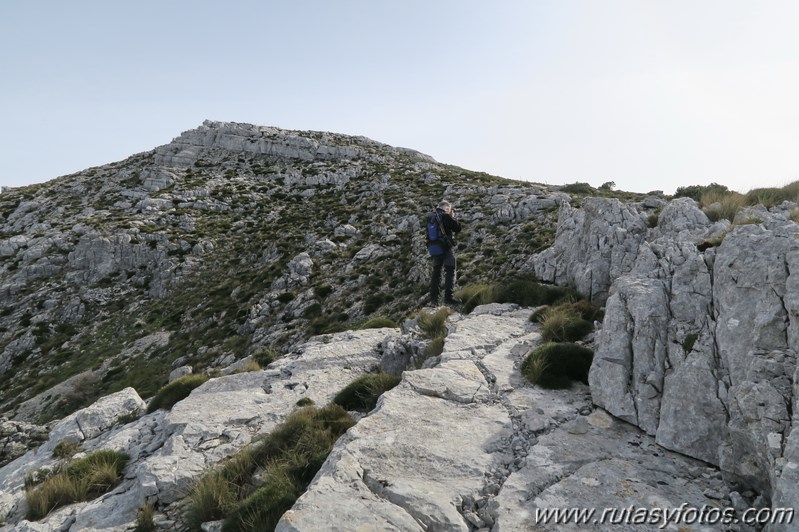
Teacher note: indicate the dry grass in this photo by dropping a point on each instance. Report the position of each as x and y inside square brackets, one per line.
[722, 205]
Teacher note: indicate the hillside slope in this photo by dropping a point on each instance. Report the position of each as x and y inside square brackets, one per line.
[230, 240]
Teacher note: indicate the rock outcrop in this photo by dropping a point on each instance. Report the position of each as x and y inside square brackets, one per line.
[699, 341]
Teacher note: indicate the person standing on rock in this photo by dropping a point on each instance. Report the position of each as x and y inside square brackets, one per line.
[441, 225]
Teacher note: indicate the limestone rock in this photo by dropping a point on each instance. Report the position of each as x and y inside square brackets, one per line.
[594, 246]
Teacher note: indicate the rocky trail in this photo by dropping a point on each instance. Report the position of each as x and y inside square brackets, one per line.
[468, 445]
[461, 444]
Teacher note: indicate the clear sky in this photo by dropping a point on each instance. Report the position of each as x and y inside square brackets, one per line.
[649, 94]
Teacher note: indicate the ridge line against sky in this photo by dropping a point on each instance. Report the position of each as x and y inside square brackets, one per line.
[650, 95]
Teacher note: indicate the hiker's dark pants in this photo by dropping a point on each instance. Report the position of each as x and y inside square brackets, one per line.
[447, 262]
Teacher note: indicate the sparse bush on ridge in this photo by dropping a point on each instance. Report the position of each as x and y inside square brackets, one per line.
[523, 292]
[362, 393]
[175, 391]
[578, 188]
[556, 365]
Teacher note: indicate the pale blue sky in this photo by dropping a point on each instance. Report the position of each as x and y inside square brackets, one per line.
[649, 94]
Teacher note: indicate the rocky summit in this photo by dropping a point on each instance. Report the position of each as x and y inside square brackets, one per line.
[191, 312]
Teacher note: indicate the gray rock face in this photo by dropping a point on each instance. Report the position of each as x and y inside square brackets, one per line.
[594, 245]
[698, 348]
[413, 464]
[17, 437]
[169, 450]
[200, 143]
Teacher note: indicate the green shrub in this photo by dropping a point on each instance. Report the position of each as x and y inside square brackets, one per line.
[262, 510]
[66, 449]
[378, 323]
[434, 348]
[305, 401]
[290, 457]
[563, 324]
[81, 480]
[652, 220]
[144, 519]
[769, 197]
[578, 188]
[362, 393]
[285, 297]
[695, 191]
[474, 295]
[265, 356]
[688, 343]
[433, 325]
[538, 314]
[175, 391]
[556, 365]
[725, 205]
[528, 293]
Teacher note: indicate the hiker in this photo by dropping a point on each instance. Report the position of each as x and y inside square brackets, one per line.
[441, 224]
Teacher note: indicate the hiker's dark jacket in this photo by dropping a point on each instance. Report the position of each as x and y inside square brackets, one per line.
[451, 225]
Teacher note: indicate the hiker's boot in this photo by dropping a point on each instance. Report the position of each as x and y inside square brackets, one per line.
[449, 300]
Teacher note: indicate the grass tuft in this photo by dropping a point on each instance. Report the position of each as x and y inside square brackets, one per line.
[289, 457]
[144, 519]
[434, 325]
[81, 480]
[66, 449]
[362, 393]
[563, 324]
[378, 323]
[175, 391]
[556, 365]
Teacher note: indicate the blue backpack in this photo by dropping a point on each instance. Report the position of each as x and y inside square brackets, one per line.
[435, 237]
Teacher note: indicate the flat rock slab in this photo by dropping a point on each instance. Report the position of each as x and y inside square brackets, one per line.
[170, 450]
[407, 466]
[598, 462]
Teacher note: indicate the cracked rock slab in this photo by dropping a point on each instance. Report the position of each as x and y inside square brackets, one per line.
[416, 455]
[597, 461]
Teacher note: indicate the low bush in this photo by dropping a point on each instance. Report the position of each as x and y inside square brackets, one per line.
[362, 393]
[564, 324]
[434, 348]
[377, 323]
[474, 295]
[265, 356]
[249, 367]
[66, 449]
[81, 480]
[290, 457]
[144, 519]
[577, 188]
[722, 205]
[262, 510]
[523, 291]
[695, 192]
[175, 391]
[434, 325]
[556, 365]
